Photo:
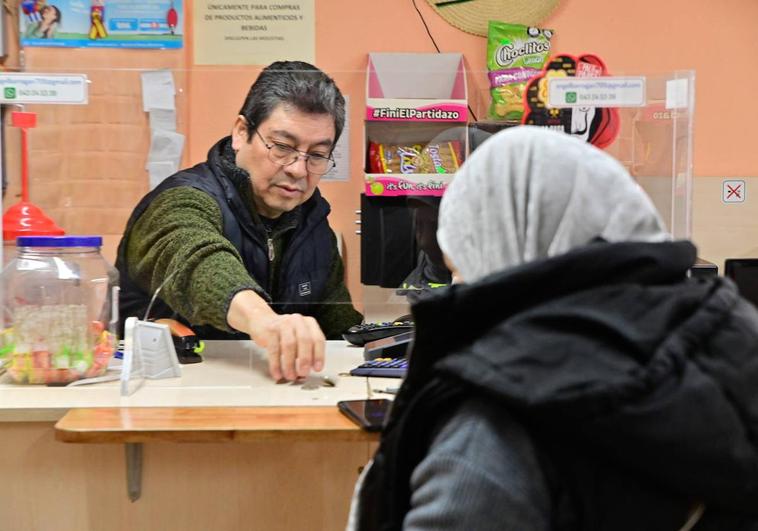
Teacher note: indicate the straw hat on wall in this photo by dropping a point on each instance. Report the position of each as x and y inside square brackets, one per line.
[472, 15]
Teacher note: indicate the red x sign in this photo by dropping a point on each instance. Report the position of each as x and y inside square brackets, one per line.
[733, 191]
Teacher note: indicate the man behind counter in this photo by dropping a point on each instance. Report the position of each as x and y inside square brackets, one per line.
[240, 244]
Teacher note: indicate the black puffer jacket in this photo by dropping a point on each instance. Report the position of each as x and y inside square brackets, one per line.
[639, 387]
[307, 260]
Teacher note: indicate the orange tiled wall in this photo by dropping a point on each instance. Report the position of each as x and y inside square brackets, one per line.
[88, 162]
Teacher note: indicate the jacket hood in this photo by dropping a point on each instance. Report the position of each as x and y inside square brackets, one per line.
[221, 160]
[609, 349]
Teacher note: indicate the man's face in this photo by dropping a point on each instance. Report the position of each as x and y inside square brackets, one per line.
[278, 189]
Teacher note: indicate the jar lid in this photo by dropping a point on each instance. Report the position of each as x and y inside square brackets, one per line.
[59, 241]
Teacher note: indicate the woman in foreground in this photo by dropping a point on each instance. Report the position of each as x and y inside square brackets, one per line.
[577, 379]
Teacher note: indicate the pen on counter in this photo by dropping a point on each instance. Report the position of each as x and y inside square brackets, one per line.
[388, 390]
[450, 2]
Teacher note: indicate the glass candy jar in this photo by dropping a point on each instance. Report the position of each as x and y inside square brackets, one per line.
[60, 305]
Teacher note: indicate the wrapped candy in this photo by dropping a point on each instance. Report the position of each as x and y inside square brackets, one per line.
[415, 158]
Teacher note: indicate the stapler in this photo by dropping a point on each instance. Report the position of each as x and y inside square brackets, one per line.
[188, 347]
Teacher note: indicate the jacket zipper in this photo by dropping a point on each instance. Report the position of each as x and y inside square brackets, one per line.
[271, 256]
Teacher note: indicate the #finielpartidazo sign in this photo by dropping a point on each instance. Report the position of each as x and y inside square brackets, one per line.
[101, 23]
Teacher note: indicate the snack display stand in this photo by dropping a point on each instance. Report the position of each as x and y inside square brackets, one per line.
[415, 140]
[415, 107]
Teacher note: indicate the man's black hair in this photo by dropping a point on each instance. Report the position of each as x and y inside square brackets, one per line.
[295, 83]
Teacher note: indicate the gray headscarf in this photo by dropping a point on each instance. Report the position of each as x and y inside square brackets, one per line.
[530, 193]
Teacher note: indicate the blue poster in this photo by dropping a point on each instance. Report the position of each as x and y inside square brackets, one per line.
[102, 23]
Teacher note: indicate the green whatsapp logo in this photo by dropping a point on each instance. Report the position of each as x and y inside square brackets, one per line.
[571, 97]
[9, 93]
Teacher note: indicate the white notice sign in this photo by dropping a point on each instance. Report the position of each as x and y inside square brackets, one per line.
[43, 88]
[596, 92]
[258, 32]
[341, 153]
[676, 93]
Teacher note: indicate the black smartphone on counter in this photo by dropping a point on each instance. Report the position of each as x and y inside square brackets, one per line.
[368, 414]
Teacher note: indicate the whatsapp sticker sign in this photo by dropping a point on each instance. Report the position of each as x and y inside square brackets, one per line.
[44, 88]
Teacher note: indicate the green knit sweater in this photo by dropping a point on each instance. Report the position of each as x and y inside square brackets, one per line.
[181, 235]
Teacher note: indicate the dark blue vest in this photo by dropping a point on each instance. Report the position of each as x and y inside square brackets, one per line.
[305, 265]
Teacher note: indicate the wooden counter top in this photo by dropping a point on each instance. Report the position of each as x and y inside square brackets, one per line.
[212, 424]
[234, 374]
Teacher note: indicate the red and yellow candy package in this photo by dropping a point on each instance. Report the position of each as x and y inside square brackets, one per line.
[435, 157]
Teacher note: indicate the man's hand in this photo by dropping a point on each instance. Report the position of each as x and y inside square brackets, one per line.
[295, 344]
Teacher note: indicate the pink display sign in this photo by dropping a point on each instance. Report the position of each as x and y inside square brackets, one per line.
[390, 186]
[444, 112]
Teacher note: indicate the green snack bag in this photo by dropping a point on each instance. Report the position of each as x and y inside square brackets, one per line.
[515, 54]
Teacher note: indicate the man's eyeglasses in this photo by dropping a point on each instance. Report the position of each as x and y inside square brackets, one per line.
[285, 155]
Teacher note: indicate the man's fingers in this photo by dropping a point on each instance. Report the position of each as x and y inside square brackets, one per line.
[295, 346]
[319, 343]
[288, 348]
[274, 360]
[305, 345]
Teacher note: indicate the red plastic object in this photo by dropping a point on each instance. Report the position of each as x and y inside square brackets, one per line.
[172, 18]
[23, 119]
[25, 218]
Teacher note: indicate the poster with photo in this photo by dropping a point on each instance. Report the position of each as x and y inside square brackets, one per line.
[101, 23]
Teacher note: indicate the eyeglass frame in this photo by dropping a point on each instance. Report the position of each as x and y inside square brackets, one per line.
[300, 154]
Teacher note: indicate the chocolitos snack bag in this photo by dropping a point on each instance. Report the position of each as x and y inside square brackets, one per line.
[515, 54]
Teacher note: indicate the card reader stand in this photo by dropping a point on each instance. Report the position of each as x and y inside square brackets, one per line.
[148, 354]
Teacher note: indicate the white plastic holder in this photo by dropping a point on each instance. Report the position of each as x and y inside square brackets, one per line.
[148, 354]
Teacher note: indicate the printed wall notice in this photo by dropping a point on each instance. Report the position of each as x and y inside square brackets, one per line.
[341, 152]
[101, 23]
[229, 32]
